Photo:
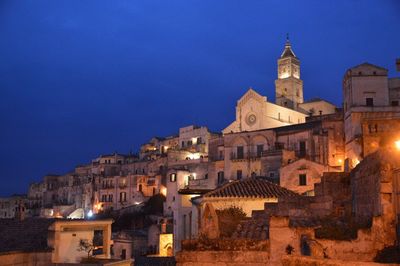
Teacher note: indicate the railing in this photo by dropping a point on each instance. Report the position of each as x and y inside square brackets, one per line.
[107, 186]
[198, 183]
[247, 155]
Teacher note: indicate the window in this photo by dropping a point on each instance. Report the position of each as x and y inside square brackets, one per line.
[206, 176]
[183, 144]
[260, 149]
[239, 174]
[110, 198]
[220, 178]
[302, 179]
[302, 151]
[172, 177]
[140, 188]
[198, 140]
[395, 103]
[240, 153]
[279, 145]
[122, 196]
[221, 155]
[271, 174]
[369, 101]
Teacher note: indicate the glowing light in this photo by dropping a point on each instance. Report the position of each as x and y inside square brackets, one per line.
[356, 162]
[90, 214]
[397, 144]
[194, 156]
[163, 191]
[340, 161]
[97, 206]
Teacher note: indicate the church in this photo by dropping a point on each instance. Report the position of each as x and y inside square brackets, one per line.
[255, 112]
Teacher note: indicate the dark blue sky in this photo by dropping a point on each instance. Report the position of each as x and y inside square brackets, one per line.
[82, 78]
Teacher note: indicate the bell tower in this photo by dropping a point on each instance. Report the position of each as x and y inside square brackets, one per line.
[288, 86]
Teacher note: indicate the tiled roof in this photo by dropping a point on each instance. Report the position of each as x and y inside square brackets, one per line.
[27, 235]
[250, 188]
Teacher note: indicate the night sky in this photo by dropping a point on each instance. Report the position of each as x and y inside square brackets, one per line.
[83, 78]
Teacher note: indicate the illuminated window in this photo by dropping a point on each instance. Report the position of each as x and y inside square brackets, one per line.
[172, 177]
[122, 196]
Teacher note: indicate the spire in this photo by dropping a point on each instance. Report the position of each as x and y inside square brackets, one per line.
[288, 48]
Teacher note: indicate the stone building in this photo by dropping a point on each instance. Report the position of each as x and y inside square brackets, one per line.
[351, 220]
[369, 99]
[10, 206]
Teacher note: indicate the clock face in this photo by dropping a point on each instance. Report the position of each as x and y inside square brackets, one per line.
[251, 119]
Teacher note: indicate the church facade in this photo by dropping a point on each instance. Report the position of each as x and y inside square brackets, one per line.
[255, 112]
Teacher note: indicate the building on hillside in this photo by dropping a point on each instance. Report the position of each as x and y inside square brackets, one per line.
[129, 244]
[265, 152]
[348, 211]
[248, 195]
[371, 101]
[10, 206]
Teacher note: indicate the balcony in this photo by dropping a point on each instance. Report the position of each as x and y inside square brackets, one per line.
[122, 186]
[107, 186]
[246, 156]
[198, 184]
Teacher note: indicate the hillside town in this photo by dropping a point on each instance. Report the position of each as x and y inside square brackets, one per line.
[289, 182]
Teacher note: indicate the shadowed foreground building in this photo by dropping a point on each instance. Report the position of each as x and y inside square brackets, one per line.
[351, 220]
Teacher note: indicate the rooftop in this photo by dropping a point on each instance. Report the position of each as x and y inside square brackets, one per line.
[250, 188]
[26, 235]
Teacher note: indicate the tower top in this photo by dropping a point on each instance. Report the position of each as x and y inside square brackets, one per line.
[287, 52]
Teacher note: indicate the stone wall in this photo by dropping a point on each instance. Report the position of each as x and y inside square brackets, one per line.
[307, 261]
[363, 248]
[222, 258]
[25, 259]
